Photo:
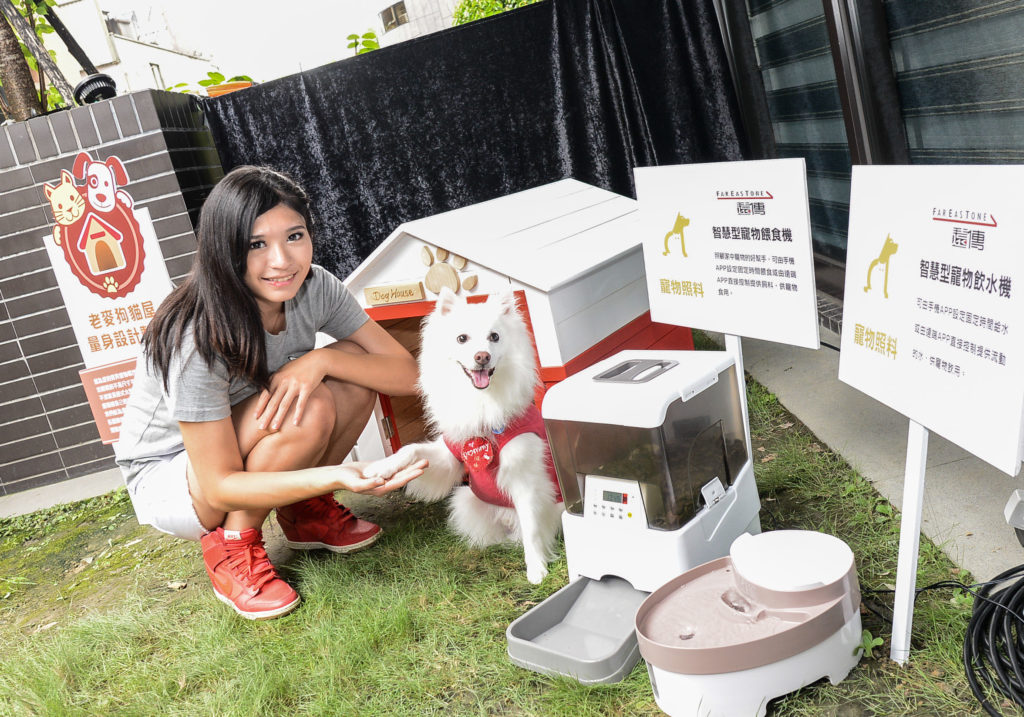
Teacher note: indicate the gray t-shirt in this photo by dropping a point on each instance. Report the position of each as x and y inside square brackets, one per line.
[199, 392]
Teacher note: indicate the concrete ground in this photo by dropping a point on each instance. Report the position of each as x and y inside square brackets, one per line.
[964, 497]
[69, 491]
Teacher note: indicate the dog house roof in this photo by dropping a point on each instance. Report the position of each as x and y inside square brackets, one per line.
[542, 237]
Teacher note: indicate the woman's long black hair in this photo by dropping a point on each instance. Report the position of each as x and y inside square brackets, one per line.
[213, 300]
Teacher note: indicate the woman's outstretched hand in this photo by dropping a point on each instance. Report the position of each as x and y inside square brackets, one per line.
[352, 478]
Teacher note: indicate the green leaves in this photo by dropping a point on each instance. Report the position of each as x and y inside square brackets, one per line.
[470, 10]
[868, 643]
[34, 12]
[364, 43]
[883, 510]
[53, 96]
[214, 78]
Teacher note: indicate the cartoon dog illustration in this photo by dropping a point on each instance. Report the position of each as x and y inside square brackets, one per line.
[888, 249]
[677, 231]
[102, 181]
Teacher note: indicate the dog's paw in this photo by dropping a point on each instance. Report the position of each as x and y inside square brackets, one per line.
[384, 468]
[536, 573]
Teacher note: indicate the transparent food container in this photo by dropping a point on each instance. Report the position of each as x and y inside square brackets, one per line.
[634, 423]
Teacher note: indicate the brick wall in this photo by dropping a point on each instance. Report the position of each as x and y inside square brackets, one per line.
[47, 433]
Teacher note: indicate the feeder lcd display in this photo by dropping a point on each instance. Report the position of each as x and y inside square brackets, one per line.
[612, 497]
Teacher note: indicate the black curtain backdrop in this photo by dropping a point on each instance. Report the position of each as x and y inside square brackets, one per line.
[587, 89]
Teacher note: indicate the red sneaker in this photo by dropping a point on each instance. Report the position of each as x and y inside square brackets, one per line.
[242, 575]
[322, 522]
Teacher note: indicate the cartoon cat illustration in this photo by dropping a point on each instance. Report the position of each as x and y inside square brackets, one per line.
[888, 249]
[66, 202]
[677, 231]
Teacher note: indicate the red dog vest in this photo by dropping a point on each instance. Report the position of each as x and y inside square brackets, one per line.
[481, 457]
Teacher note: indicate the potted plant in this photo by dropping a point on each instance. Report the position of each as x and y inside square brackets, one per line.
[217, 85]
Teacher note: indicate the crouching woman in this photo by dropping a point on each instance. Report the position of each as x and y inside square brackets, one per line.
[234, 412]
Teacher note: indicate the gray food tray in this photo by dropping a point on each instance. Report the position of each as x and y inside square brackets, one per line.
[584, 631]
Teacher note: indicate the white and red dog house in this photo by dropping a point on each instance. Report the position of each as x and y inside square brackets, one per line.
[572, 253]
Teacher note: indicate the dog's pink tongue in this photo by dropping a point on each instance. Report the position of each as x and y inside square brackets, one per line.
[481, 378]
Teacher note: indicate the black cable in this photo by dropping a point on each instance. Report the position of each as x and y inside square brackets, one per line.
[995, 640]
[993, 651]
[875, 610]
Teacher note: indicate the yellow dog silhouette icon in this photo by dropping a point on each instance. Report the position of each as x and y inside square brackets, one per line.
[677, 230]
[888, 249]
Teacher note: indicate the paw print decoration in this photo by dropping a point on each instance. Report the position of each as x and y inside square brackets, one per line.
[111, 284]
[445, 270]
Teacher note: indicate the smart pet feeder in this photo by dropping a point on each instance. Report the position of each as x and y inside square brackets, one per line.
[781, 611]
[651, 455]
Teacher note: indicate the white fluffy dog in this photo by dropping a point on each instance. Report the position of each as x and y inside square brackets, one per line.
[478, 374]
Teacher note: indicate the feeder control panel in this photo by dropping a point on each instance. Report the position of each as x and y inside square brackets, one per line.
[615, 500]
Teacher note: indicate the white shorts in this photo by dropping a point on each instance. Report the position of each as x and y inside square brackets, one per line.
[161, 498]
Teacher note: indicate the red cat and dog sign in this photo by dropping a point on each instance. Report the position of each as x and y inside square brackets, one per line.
[111, 275]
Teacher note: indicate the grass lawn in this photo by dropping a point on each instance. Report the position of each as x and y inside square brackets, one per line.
[99, 616]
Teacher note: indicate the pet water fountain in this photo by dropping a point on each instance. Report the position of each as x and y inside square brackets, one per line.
[781, 611]
[651, 453]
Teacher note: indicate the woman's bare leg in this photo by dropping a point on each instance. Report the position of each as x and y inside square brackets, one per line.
[335, 415]
[353, 406]
[289, 448]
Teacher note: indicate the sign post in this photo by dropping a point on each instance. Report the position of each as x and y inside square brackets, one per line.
[910, 542]
[932, 322]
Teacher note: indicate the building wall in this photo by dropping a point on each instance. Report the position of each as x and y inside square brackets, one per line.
[425, 16]
[133, 72]
[47, 433]
[85, 22]
[126, 60]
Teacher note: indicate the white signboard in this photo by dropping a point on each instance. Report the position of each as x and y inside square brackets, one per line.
[933, 316]
[110, 329]
[727, 248]
[111, 275]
